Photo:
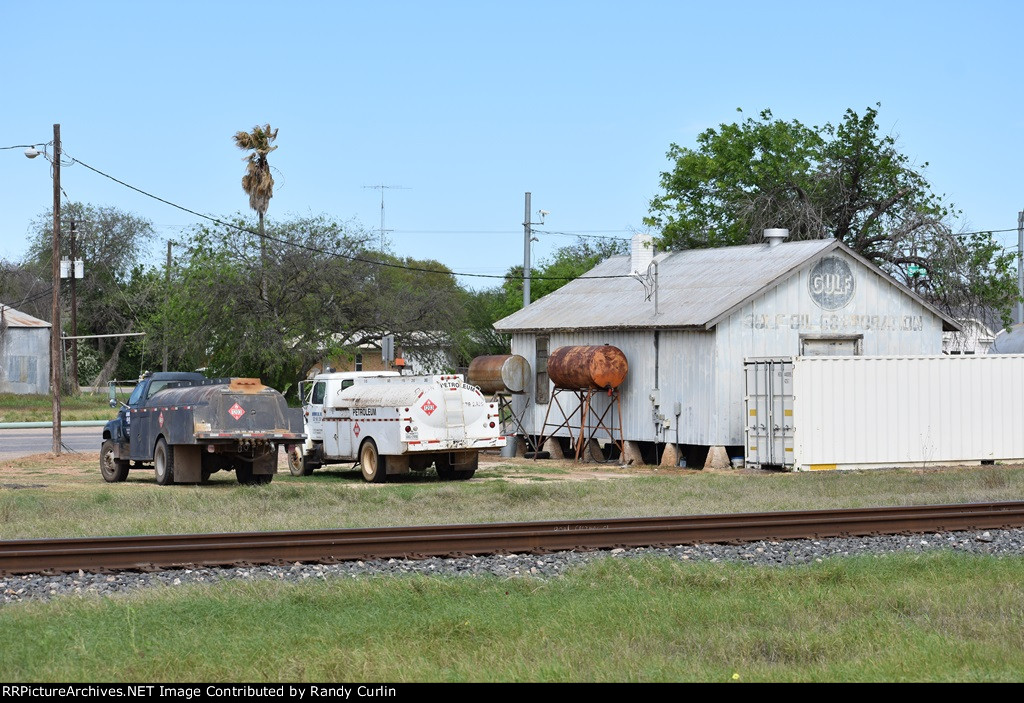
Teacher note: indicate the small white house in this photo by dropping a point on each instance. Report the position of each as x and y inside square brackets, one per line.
[686, 322]
[978, 332]
[24, 353]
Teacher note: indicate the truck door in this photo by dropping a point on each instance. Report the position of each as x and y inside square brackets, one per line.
[315, 411]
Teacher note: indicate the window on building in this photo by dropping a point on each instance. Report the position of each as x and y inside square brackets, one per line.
[359, 362]
[543, 394]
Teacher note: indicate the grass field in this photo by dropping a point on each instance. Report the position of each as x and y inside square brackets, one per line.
[43, 497]
[39, 408]
[937, 617]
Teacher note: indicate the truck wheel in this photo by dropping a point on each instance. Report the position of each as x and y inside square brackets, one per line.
[113, 470]
[371, 463]
[209, 465]
[299, 464]
[450, 471]
[163, 460]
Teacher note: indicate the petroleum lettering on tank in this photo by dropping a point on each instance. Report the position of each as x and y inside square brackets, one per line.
[236, 411]
[429, 407]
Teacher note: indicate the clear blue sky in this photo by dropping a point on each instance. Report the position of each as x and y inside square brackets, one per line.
[467, 105]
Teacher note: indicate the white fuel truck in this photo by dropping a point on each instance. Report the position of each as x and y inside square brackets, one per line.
[392, 424]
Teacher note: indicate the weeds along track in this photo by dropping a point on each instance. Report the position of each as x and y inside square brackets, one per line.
[245, 548]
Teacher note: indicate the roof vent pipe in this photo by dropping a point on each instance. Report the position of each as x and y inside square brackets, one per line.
[775, 237]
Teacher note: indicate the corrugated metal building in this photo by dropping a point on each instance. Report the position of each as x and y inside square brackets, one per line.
[715, 308]
[24, 352]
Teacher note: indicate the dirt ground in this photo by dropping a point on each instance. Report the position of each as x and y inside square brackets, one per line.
[32, 467]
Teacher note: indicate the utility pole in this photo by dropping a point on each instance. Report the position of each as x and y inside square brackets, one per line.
[527, 235]
[167, 294]
[1020, 265]
[55, 345]
[72, 272]
[527, 239]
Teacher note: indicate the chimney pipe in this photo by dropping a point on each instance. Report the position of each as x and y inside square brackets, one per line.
[775, 237]
[641, 254]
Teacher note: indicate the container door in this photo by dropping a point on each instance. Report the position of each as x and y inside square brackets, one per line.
[769, 413]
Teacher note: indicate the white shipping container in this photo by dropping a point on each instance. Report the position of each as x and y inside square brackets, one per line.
[871, 412]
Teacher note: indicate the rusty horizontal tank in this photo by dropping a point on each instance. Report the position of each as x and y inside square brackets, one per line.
[501, 373]
[587, 367]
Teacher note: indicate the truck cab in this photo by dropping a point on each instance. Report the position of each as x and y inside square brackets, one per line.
[119, 429]
[304, 459]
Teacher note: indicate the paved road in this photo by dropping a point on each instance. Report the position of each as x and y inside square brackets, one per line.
[17, 443]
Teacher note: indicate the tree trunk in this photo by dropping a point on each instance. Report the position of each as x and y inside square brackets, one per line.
[110, 367]
[263, 262]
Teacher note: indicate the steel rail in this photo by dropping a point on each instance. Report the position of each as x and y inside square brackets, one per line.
[171, 551]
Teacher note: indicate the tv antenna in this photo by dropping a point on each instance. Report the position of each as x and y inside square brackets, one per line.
[383, 232]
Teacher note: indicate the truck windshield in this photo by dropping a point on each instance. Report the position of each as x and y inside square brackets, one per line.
[136, 394]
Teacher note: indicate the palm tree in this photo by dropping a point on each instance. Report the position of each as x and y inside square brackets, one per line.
[258, 182]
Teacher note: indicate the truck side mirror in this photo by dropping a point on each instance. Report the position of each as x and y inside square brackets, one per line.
[113, 395]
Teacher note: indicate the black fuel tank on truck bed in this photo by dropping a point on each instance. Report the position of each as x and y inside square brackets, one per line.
[213, 411]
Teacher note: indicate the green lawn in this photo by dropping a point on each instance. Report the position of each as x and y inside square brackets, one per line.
[39, 408]
[937, 617]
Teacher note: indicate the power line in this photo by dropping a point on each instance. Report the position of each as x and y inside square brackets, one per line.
[386, 264]
[586, 236]
[983, 231]
[315, 250]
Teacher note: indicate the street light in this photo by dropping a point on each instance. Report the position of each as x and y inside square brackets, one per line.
[55, 376]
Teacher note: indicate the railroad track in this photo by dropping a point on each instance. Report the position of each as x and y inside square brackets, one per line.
[247, 548]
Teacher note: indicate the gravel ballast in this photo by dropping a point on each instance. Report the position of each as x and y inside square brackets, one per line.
[38, 587]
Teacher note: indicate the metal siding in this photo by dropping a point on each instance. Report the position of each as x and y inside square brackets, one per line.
[790, 312]
[687, 375]
[19, 348]
[878, 411]
[703, 370]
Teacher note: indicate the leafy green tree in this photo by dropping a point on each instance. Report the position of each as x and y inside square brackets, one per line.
[565, 264]
[325, 292]
[118, 290]
[847, 181]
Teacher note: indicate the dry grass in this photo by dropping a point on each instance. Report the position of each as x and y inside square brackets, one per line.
[43, 496]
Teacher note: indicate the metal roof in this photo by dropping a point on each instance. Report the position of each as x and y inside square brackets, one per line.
[697, 288]
[1009, 342]
[16, 318]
